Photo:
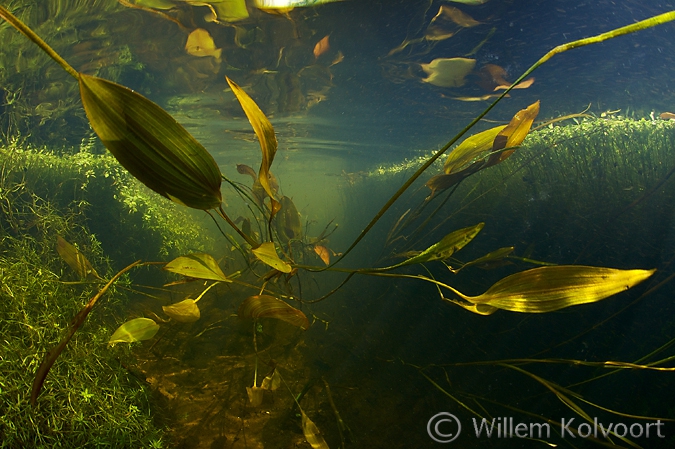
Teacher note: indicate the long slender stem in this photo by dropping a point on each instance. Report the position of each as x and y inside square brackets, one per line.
[642, 25]
[23, 29]
[248, 239]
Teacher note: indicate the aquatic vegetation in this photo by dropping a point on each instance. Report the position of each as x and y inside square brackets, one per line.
[109, 407]
[167, 159]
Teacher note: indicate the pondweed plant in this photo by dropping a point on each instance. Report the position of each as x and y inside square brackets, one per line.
[92, 400]
[167, 159]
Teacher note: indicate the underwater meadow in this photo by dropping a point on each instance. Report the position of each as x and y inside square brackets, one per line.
[337, 224]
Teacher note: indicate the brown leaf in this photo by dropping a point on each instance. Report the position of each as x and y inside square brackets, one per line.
[265, 132]
[322, 46]
[266, 306]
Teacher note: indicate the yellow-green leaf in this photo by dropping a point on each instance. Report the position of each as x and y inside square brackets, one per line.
[514, 133]
[545, 289]
[230, 10]
[150, 144]
[267, 254]
[185, 311]
[448, 72]
[448, 245]
[138, 329]
[470, 149]
[198, 266]
[265, 306]
[75, 259]
[312, 433]
[265, 132]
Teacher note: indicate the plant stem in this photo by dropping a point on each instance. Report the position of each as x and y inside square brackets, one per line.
[642, 25]
[248, 239]
[26, 31]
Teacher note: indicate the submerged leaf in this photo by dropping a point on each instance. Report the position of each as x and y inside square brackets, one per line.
[186, 311]
[150, 144]
[448, 72]
[266, 306]
[200, 43]
[312, 433]
[288, 224]
[471, 148]
[322, 46]
[75, 259]
[229, 10]
[265, 132]
[484, 149]
[448, 245]
[271, 382]
[198, 266]
[545, 289]
[267, 254]
[491, 257]
[138, 329]
[514, 133]
[255, 395]
[323, 253]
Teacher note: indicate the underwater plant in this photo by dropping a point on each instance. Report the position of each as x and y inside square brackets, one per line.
[162, 155]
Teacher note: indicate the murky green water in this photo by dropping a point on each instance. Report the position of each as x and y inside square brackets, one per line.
[403, 337]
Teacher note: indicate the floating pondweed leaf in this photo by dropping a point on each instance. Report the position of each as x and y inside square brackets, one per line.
[266, 306]
[185, 311]
[469, 2]
[265, 132]
[448, 245]
[447, 22]
[456, 15]
[521, 85]
[283, 4]
[75, 259]
[312, 433]
[492, 77]
[475, 99]
[198, 266]
[546, 289]
[267, 254]
[138, 329]
[323, 253]
[150, 144]
[200, 43]
[448, 72]
[288, 224]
